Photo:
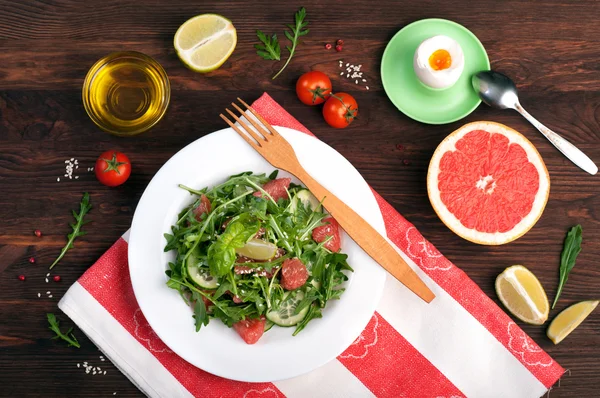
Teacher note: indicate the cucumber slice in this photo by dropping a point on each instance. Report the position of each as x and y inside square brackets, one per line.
[285, 315]
[268, 325]
[306, 198]
[201, 276]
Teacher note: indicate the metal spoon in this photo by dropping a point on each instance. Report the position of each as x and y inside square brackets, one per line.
[499, 91]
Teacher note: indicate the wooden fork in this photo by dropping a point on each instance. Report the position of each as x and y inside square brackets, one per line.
[277, 151]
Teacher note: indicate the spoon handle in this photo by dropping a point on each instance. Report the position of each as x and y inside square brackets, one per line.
[569, 150]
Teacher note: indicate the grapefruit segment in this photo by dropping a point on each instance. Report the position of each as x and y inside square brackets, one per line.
[488, 183]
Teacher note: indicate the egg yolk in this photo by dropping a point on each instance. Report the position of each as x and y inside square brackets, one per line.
[440, 60]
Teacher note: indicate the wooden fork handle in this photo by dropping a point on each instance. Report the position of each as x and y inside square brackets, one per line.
[367, 237]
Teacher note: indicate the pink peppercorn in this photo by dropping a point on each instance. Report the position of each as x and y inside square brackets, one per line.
[32, 260]
[21, 277]
[338, 48]
[328, 46]
[38, 233]
[56, 278]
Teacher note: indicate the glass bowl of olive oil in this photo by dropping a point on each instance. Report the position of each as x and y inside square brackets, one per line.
[126, 93]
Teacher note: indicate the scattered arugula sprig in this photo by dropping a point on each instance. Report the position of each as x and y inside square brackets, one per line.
[571, 249]
[68, 336]
[270, 49]
[84, 208]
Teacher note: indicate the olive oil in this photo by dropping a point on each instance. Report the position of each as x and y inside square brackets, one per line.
[126, 93]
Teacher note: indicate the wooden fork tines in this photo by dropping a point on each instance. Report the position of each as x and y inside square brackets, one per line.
[277, 151]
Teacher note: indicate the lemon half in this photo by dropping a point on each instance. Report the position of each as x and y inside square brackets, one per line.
[204, 42]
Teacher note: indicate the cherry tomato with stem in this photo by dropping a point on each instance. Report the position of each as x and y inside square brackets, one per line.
[340, 110]
[313, 88]
[112, 168]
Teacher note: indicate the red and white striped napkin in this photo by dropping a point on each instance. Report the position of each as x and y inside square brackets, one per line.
[462, 344]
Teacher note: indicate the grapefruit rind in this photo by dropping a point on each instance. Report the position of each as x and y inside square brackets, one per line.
[452, 222]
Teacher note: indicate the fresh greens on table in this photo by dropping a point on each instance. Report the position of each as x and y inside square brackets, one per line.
[234, 240]
[270, 48]
[571, 249]
[84, 208]
[67, 336]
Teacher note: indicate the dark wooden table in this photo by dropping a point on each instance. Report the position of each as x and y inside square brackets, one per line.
[551, 49]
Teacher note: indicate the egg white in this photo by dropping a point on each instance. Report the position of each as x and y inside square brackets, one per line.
[438, 79]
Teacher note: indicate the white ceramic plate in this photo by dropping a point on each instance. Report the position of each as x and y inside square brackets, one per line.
[216, 348]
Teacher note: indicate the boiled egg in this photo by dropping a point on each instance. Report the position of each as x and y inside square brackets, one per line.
[439, 62]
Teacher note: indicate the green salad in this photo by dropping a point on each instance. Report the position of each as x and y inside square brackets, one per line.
[256, 251]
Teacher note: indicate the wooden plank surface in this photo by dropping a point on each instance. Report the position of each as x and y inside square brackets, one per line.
[550, 48]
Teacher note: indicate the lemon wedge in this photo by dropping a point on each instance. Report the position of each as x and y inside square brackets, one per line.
[205, 41]
[523, 295]
[569, 319]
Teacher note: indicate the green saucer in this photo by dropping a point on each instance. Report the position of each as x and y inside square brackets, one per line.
[406, 91]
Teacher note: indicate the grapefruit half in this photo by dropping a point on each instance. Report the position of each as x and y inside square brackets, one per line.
[488, 183]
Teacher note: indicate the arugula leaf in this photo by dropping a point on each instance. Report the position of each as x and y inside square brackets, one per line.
[571, 249]
[199, 311]
[297, 30]
[67, 336]
[221, 254]
[84, 208]
[269, 49]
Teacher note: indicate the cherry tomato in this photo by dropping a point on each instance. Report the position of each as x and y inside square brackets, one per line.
[340, 110]
[313, 88]
[112, 168]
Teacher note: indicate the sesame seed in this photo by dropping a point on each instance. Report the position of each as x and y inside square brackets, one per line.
[105, 372]
[48, 274]
[94, 372]
[39, 295]
[348, 75]
[50, 296]
[356, 82]
[347, 64]
[87, 371]
[48, 292]
[46, 280]
[85, 364]
[367, 87]
[114, 393]
[76, 177]
[78, 365]
[364, 80]
[67, 161]
[341, 73]
[58, 179]
[66, 175]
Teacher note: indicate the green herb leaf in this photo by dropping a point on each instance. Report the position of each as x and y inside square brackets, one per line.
[269, 49]
[297, 31]
[221, 254]
[84, 208]
[571, 249]
[67, 336]
[199, 311]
